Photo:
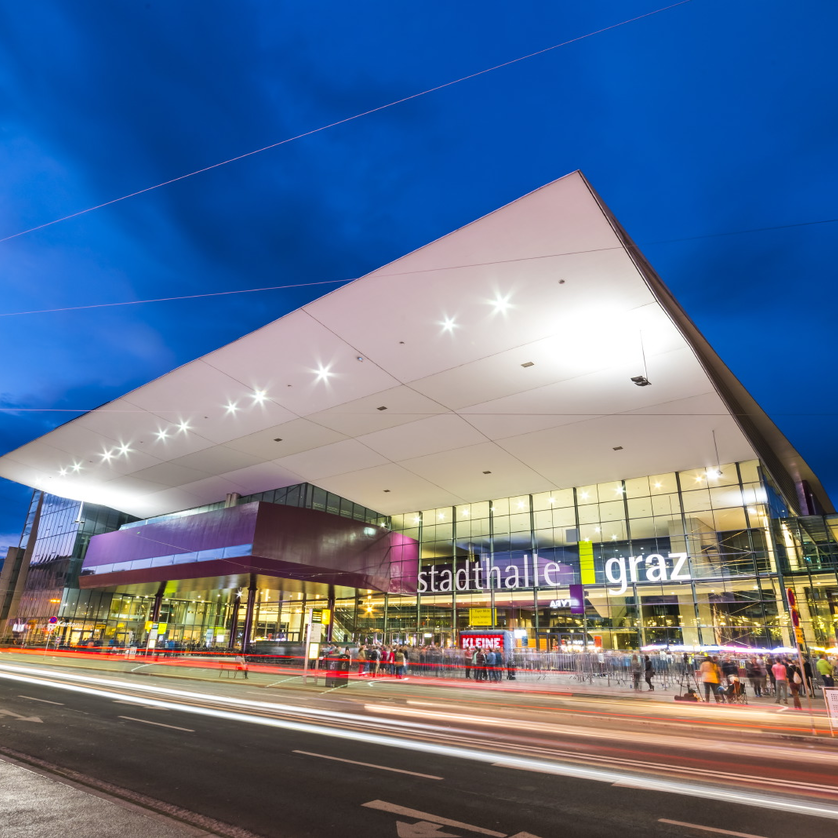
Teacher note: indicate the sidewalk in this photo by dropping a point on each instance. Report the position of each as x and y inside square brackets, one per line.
[36, 805]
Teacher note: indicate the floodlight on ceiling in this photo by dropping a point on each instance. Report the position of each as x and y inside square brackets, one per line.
[323, 373]
[501, 304]
[259, 396]
[76, 466]
[124, 449]
[161, 435]
[231, 407]
[641, 380]
[183, 426]
[107, 456]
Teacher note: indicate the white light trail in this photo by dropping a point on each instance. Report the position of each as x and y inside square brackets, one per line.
[737, 796]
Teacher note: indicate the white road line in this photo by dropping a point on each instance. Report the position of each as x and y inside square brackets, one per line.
[424, 816]
[42, 700]
[370, 765]
[710, 829]
[158, 724]
[139, 704]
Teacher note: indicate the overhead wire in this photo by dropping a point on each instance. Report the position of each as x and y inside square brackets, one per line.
[346, 280]
[343, 121]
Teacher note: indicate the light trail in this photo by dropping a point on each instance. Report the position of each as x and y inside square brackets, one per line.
[613, 776]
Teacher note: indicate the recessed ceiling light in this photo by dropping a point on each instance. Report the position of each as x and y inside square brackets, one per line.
[383, 407]
[658, 485]
[386, 490]
[278, 439]
[441, 516]
[62, 472]
[487, 472]
[76, 466]
[465, 513]
[259, 396]
[501, 304]
[162, 434]
[529, 364]
[232, 407]
[323, 373]
[448, 324]
[183, 426]
[360, 358]
[124, 449]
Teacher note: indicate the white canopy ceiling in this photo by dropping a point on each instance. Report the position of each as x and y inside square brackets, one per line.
[493, 362]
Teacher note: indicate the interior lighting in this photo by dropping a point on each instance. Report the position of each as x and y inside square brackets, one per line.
[161, 435]
[658, 485]
[124, 449]
[641, 380]
[231, 407]
[619, 490]
[584, 495]
[552, 500]
[62, 472]
[259, 396]
[416, 520]
[183, 426]
[465, 513]
[714, 473]
[76, 466]
[448, 324]
[441, 516]
[699, 478]
[107, 456]
[323, 373]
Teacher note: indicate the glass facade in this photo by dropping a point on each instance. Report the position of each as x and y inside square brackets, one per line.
[693, 558]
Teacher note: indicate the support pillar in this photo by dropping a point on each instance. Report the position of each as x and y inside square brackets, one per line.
[234, 621]
[158, 603]
[252, 593]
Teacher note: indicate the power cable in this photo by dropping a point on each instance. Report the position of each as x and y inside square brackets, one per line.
[408, 273]
[341, 121]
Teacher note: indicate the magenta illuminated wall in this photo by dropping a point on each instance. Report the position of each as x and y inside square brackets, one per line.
[263, 538]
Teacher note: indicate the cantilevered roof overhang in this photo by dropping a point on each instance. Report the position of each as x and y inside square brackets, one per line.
[495, 361]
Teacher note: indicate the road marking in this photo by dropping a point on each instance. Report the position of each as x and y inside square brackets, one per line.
[139, 704]
[370, 765]
[32, 698]
[423, 829]
[710, 829]
[424, 816]
[158, 724]
[19, 717]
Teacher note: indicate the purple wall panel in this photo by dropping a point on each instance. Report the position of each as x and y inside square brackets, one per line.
[287, 542]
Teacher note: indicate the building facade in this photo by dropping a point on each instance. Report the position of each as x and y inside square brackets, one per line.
[513, 429]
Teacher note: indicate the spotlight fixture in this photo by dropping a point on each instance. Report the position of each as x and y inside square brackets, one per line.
[383, 407]
[278, 439]
[259, 396]
[386, 490]
[529, 364]
[487, 472]
[617, 448]
[641, 380]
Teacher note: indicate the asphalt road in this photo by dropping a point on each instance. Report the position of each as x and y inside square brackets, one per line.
[422, 763]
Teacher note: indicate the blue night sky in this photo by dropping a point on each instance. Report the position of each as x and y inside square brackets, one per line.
[694, 124]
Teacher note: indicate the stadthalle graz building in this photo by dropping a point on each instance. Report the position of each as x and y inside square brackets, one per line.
[513, 429]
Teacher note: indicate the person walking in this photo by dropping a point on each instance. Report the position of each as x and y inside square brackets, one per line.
[710, 677]
[648, 672]
[781, 679]
[824, 668]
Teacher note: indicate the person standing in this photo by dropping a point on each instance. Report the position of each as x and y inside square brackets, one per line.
[824, 668]
[636, 670]
[710, 676]
[754, 673]
[781, 679]
[795, 682]
[648, 672]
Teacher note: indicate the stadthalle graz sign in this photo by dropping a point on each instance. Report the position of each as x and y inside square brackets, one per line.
[534, 572]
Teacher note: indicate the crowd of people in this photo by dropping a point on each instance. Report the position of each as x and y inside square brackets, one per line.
[777, 676]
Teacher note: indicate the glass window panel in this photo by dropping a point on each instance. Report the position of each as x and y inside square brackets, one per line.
[696, 501]
[589, 514]
[444, 532]
[612, 511]
[638, 487]
[587, 494]
[549, 500]
[730, 519]
[480, 510]
[609, 491]
[520, 503]
[724, 497]
[643, 528]
[564, 517]
[519, 523]
[500, 507]
[639, 508]
[749, 471]
[543, 520]
[754, 493]
[666, 504]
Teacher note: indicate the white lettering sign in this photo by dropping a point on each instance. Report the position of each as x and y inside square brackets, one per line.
[621, 571]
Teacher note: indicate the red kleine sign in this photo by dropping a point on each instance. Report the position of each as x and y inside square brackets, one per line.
[481, 641]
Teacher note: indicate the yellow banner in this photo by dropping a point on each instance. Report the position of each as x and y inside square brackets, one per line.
[159, 627]
[480, 617]
[586, 563]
